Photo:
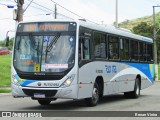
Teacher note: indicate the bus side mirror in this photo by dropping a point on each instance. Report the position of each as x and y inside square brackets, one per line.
[7, 41]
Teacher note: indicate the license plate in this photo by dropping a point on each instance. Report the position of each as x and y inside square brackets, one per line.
[38, 95]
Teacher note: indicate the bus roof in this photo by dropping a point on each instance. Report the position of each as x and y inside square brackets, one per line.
[115, 31]
[102, 28]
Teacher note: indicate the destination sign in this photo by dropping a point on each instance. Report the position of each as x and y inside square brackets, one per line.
[43, 27]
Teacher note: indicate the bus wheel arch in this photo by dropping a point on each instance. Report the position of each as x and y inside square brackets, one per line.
[97, 92]
[137, 87]
[94, 99]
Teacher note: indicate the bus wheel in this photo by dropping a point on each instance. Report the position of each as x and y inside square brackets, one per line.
[136, 92]
[95, 96]
[44, 102]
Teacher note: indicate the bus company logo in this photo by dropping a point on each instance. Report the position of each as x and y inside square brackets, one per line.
[111, 68]
[39, 84]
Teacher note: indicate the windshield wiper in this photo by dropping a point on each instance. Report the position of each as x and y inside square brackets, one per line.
[50, 46]
[54, 40]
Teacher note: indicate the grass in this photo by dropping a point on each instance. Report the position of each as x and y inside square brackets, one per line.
[5, 90]
[5, 70]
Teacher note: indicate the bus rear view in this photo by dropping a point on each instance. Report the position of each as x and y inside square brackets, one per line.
[43, 61]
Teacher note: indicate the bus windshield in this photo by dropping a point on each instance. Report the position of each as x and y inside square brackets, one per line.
[44, 53]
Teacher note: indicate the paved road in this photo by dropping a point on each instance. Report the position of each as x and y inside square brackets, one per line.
[148, 101]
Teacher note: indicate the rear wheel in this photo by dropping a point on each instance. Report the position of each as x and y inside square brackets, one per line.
[44, 102]
[136, 92]
[93, 101]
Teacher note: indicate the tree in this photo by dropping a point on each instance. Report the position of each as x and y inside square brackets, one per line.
[3, 42]
[146, 30]
[11, 43]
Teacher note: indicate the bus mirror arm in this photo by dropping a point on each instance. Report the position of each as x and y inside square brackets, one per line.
[7, 41]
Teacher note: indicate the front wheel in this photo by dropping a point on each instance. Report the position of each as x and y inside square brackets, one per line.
[136, 92]
[93, 101]
[44, 102]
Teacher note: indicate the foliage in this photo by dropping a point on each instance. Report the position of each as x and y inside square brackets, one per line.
[143, 29]
[11, 43]
[3, 42]
[129, 24]
[144, 26]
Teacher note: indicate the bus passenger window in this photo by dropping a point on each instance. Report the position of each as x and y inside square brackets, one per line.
[84, 48]
[113, 47]
[149, 53]
[141, 51]
[144, 52]
[99, 45]
[124, 49]
[134, 51]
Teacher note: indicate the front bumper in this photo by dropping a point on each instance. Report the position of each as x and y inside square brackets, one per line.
[68, 92]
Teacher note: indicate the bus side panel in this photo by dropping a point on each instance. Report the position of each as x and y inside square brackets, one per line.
[144, 82]
[89, 72]
[117, 76]
[145, 71]
[126, 82]
[85, 91]
[85, 82]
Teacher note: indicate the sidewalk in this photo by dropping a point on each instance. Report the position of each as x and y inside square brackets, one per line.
[5, 94]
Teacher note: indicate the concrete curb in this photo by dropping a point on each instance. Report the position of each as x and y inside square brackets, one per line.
[5, 94]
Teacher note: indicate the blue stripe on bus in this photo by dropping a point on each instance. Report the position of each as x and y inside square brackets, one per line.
[147, 69]
[27, 82]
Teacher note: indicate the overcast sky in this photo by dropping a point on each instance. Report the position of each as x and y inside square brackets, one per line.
[94, 10]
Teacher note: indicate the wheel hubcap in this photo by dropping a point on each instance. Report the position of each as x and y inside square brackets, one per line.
[95, 96]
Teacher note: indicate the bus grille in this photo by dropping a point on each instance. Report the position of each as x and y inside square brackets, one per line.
[48, 93]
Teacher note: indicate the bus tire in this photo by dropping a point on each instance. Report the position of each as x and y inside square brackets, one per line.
[136, 92]
[44, 102]
[93, 101]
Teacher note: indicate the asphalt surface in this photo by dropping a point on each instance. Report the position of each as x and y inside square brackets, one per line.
[148, 101]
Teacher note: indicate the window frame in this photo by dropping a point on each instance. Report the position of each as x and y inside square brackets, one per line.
[125, 38]
[152, 54]
[106, 46]
[118, 40]
[119, 59]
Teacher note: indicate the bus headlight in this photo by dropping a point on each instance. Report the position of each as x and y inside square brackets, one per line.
[15, 81]
[68, 81]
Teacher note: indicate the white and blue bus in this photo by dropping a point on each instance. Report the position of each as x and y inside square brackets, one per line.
[79, 60]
